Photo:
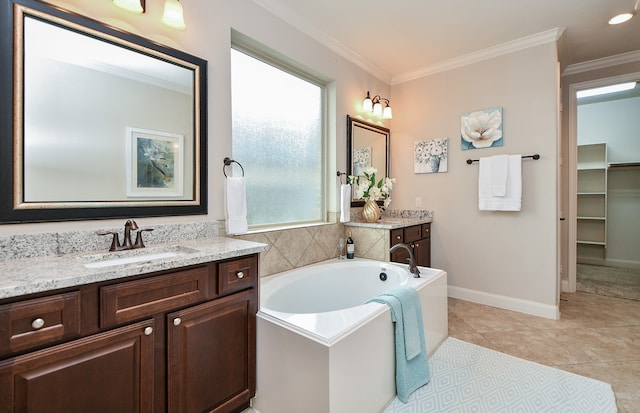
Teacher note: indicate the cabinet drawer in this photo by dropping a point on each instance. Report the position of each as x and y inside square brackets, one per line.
[120, 303]
[396, 236]
[412, 234]
[40, 321]
[237, 275]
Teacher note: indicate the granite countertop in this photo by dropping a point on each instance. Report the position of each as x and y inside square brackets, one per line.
[34, 275]
[391, 222]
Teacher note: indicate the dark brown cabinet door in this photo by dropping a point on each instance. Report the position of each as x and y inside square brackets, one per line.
[211, 355]
[422, 252]
[107, 372]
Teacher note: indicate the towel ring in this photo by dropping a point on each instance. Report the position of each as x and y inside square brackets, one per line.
[340, 174]
[227, 162]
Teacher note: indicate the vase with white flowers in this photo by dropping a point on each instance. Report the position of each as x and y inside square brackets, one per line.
[366, 187]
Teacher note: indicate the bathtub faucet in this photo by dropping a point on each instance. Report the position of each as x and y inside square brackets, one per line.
[413, 269]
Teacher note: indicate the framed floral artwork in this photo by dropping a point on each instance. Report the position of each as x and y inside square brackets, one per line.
[361, 160]
[430, 156]
[481, 129]
[154, 163]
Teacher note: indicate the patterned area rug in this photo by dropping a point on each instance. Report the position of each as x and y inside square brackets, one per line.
[469, 378]
[610, 281]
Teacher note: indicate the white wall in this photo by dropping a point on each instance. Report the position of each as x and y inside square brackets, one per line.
[208, 36]
[503, 258]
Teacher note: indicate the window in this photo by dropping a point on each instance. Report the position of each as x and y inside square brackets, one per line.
[277, 135]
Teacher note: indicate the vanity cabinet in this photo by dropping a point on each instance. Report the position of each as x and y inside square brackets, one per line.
[418, 237]
[174, 341]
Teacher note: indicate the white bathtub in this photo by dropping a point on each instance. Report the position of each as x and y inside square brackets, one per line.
[321, 349]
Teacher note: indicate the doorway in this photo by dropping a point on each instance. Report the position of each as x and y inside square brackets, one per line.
[604, 188]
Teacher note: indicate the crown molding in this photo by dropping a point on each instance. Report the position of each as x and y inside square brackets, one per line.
[464, 60]
[602, 63]
[328, 41]
[484, 54]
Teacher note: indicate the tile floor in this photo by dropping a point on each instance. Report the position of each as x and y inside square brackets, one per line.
[596, 336]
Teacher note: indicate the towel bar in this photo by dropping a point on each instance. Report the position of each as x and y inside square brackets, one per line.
[228, 161]
[534, 156]
[340, 174]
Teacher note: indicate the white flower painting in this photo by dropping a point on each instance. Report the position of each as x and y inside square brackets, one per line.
[430, 156]
[481, 129]
[361, 160]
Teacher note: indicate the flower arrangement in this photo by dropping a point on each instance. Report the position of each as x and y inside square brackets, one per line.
[366, 188]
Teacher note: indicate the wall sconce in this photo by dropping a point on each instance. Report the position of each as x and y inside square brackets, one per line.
[172, 15]
[375, 105]
[134, 6]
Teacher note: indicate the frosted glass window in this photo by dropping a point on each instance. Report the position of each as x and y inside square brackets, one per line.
[277, 137]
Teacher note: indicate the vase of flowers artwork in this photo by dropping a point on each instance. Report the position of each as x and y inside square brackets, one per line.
[430, 156]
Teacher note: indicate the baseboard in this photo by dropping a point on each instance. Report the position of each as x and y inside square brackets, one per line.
[565, 287]
[621, 263]
[504, 302]
[590, 261]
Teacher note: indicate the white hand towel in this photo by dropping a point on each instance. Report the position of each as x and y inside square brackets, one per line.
[512, 198]
[498, 170]
[345, 203]
[235, 206]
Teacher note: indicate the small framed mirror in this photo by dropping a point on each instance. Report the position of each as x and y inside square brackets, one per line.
[367, 145]
[105, 123]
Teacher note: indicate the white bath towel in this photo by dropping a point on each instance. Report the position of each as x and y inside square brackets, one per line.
[345, 203]
[494, 173]
[235, 205]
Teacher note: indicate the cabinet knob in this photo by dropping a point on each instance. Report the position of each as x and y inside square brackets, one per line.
[37, 324]
[398, 237]
[177, 321]
[148, 331]
[240, 275]
[416, 245]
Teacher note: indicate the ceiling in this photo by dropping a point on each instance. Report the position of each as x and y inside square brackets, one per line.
[395, 39]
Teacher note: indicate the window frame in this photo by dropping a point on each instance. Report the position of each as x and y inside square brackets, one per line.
[244, 44]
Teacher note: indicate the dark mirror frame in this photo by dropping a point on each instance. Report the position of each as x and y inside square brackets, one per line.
[351, 123]
[8, 150]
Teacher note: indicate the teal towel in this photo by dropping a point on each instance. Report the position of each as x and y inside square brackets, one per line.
[412, 366]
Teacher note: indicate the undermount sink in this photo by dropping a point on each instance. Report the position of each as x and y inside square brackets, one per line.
[134, 256]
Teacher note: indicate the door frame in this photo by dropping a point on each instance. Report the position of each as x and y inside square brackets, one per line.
[572, 236]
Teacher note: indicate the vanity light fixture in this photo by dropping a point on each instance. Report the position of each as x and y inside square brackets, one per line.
[375, 105]
[134, 6]
[173, 16]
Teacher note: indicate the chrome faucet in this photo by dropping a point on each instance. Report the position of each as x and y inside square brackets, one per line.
[413, 268]
[127, 244]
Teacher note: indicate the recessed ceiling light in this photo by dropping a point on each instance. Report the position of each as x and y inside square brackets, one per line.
[620, 87]
[621, 18]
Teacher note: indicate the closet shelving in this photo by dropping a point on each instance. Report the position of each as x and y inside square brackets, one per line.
[592, 202]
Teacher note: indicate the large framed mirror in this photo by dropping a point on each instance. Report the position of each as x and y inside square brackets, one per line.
[367, 145]
[104, 124]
